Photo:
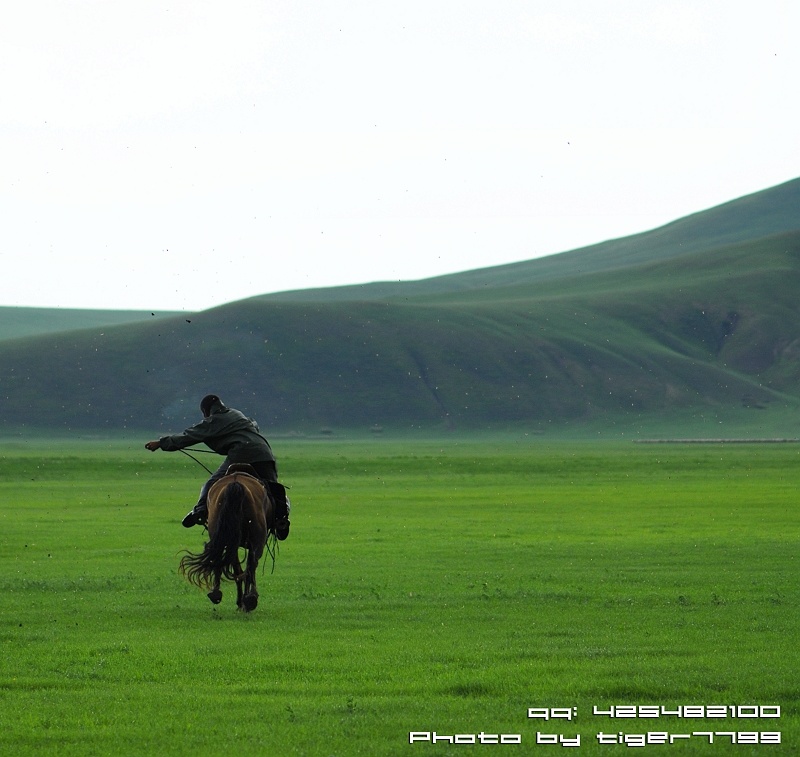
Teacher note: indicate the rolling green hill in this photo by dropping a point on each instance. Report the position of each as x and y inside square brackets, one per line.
[17, 322]
[696, 322]
[765, 213]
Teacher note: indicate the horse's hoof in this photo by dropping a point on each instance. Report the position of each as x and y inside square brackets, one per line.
[215, 596]
[250, 602]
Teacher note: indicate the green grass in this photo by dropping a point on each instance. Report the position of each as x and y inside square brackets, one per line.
[436, 585]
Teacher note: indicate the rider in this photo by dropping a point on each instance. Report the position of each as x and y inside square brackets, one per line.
[229, 432]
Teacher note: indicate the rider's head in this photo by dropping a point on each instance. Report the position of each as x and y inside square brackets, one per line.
[208, 403]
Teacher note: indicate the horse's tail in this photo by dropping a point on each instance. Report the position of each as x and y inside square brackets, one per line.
[221, 551]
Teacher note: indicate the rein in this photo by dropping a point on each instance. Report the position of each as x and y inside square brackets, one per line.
[271, 548]
[196, 460]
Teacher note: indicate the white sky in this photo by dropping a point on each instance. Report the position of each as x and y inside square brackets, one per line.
[179, 154]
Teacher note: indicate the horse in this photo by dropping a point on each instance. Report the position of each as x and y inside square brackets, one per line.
[239, 509]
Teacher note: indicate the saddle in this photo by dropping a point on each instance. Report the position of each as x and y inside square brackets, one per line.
[242, 468]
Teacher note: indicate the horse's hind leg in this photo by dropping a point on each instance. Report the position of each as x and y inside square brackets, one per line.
[250, 599]
[215, 595]
[251, 593]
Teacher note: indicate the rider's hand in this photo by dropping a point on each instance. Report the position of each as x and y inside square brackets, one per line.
[153, 446]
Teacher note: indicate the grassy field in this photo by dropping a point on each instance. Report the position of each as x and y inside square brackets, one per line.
[445, 586]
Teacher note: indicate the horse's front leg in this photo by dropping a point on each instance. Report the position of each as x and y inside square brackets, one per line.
[240, 593]
[239, 578]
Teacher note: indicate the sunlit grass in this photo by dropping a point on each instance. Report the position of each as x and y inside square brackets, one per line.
[425, 586]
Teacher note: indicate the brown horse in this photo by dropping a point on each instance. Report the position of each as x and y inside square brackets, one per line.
[239, 509]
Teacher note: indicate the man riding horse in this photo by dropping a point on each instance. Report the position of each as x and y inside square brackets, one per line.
[229, 432]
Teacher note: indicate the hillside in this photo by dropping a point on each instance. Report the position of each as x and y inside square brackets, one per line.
[20, 322]
[771, 211]
[707, 326]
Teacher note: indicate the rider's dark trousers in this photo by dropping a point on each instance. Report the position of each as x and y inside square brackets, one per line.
[265, 470]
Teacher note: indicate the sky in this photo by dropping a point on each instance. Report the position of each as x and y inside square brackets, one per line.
[182, 154]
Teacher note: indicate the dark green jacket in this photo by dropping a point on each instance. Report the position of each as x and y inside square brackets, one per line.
[226, 431]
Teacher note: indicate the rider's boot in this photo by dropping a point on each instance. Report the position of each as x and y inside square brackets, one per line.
[282, 518]
[197, 516]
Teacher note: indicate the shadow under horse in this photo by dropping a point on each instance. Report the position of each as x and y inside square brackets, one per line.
[239, 509]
